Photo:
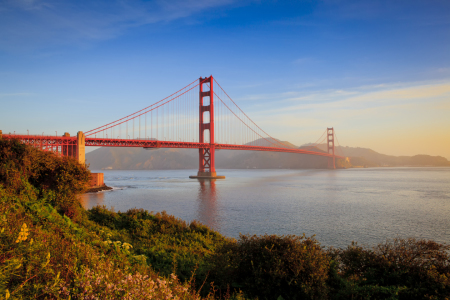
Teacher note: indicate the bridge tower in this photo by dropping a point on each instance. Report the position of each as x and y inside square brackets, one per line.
[207, 163]
[330, 148]
[76, 149]
[81, 148]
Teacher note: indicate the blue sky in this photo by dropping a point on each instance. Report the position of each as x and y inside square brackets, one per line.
[378, 71]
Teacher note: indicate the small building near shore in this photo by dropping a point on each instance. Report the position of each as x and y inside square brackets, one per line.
[96, 180]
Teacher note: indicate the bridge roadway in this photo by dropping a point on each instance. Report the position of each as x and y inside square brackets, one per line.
[61, 141]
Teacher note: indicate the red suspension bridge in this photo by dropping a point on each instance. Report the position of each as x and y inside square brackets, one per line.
[201, 115]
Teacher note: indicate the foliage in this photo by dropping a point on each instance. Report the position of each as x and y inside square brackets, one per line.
[108, 282]
[57, 179]
[170, 244]
[397, 269]
[270, 266]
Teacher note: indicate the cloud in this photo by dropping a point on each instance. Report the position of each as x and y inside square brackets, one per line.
[382, 95]
[39, 23]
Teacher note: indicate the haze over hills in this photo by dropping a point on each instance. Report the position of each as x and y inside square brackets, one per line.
[368, 157]
[164, 159]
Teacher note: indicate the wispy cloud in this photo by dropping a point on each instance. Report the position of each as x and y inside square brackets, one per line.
[363, 97]
[37, 23]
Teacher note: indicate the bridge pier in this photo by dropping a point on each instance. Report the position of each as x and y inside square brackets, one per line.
[207, 162]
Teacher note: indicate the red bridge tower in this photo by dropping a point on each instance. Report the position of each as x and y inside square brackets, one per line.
[207, 163]
[330, 148]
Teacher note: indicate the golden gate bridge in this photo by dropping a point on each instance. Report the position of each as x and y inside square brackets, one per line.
[201, 115]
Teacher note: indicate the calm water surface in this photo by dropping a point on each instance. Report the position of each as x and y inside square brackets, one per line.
[338, 206]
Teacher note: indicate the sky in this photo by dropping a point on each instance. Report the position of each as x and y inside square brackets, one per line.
[377, 71]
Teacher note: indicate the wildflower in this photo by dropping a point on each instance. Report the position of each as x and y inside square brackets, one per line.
[126, 246]
[23, 233]
[47, 261]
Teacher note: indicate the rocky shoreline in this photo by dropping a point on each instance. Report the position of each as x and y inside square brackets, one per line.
[98, 189]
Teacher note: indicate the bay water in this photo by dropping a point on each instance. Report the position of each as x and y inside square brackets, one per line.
[367, 206]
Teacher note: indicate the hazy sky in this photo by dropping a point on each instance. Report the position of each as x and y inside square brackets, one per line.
[377, 71]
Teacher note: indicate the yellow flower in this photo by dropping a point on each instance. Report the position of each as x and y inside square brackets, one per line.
[126, 246]
[23, 234]
[47, 261]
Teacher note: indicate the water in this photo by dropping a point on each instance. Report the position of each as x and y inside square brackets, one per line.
[338, 206]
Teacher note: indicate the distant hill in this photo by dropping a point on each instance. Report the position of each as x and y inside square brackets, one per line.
[271, 142]
[268, 160]
[141, 159]
[165, 159]
[367, 157]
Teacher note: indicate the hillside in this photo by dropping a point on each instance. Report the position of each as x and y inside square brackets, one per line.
[40, 215]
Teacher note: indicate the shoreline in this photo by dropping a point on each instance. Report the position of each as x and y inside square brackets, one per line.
[98, 189]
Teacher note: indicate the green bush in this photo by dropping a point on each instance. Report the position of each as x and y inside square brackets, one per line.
[170, 244]
[397, 269]
[270, 266]
[56, 179]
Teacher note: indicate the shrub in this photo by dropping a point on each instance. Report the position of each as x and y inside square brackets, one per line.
[105, 281]
[270, 266]
[57, 179]
[170, 244]
[397, 269]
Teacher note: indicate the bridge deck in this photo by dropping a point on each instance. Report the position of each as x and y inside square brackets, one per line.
[37, 141]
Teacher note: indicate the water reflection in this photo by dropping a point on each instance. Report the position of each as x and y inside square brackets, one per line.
[92, 199]
[333, 185]
[207, 203]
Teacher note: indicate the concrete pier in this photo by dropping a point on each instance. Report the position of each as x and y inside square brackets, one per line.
[207, 175]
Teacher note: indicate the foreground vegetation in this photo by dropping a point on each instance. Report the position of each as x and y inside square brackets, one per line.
[51, 248]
